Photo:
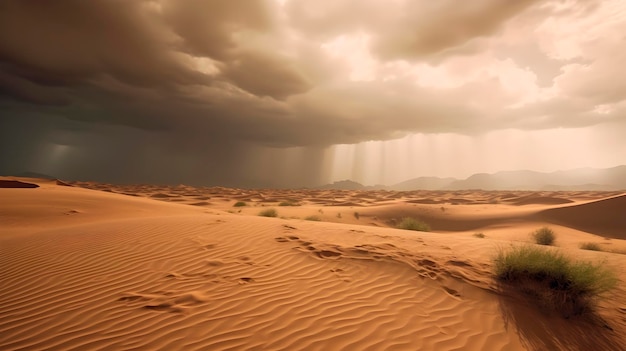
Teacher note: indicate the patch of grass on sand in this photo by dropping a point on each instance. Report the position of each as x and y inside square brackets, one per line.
[313, 218]
[479, 235]
[553, 280]
[544, 236]
[289, 203]
[240, 204]
[410, 223]
[270, 212]
[591, 246]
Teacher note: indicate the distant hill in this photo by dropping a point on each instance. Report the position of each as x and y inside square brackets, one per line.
[423, 183]
[575, 179]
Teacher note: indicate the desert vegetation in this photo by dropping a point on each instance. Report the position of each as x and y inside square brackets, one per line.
[410, 223]
[240, 204]
[590, 246]
[289, 203]
[270, 212]
[544, 236]
[553, 280]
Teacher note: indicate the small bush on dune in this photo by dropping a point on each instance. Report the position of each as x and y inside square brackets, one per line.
[409, 223]
[313, 218]
[554, 280]
[479, 235]
[590, 246]
[270, 212]
[240, 204]
[544, 236]
[289, 203]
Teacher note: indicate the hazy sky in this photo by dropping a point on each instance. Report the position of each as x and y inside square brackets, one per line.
[305, 92]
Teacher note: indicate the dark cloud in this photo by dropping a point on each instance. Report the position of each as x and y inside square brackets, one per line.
[177, 80]
[61, 43]
[21, 89]
[209, 28]
[266, 75]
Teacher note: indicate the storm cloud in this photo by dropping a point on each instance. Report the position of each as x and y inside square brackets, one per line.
[209, 87]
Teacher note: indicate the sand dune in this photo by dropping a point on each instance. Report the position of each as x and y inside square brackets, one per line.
[84, 269]
[605, 217]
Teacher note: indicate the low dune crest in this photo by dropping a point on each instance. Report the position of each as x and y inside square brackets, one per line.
[85, 269]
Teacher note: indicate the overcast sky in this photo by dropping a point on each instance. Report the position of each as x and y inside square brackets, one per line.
[304, 92]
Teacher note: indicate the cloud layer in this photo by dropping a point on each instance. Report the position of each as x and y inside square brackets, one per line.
[197, 75]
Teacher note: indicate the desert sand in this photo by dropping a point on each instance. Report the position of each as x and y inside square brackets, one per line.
[105, 267]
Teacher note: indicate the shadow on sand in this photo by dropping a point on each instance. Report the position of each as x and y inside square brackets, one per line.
[545, 330]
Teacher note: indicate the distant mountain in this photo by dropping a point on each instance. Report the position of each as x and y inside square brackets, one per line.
[423, 183]
[575, 179]
[514, 180]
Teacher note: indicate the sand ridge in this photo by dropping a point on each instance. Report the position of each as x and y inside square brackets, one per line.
[145, 272]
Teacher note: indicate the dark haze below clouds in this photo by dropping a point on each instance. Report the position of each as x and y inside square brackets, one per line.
[248, 93]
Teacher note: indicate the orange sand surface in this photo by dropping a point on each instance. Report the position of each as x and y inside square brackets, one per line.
[97, 266]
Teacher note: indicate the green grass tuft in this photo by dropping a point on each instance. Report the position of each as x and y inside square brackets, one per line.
[553, 280]
[544, 236]
[409, 223]
[591, 246]
[240, 204]
[270, 212]
[289, 203]
[313, 218]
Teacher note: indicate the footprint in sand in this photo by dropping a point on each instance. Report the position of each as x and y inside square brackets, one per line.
[341, 274]
[328, 254]
[172, 302]
[215, 263]
[285, 239]
[451, 292]
[164, 307]
[245, 280]
[306, 246]
[245, 260]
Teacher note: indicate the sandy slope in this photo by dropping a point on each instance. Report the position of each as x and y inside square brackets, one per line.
[84, 269]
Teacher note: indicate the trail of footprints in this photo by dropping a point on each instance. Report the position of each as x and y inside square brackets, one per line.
[179, 302]
[183, 301]
[167, 301]
[425, 267]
